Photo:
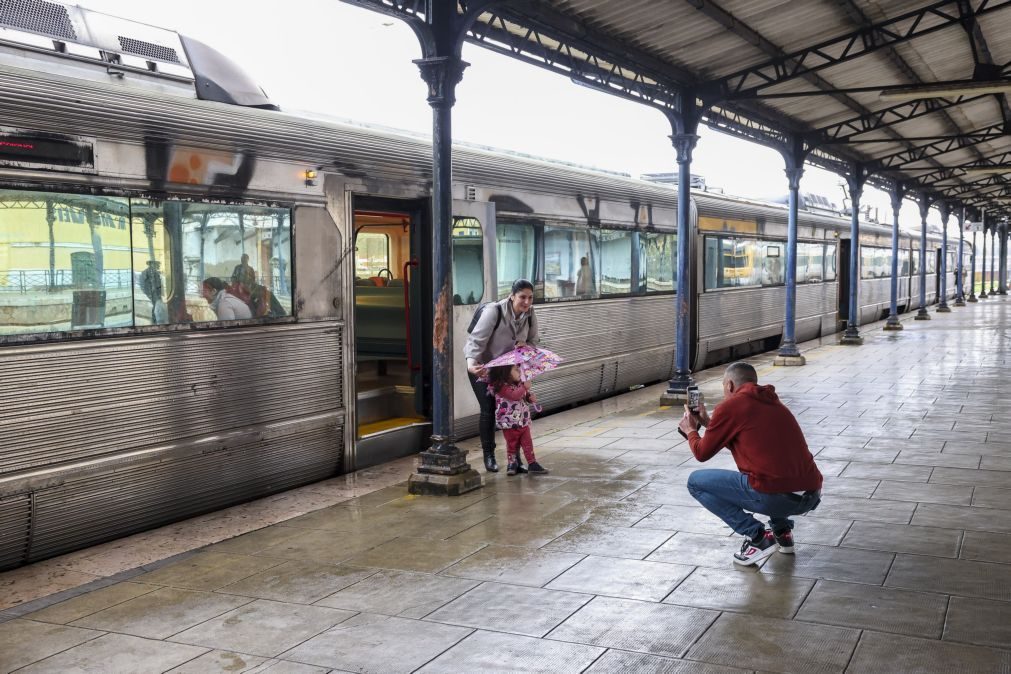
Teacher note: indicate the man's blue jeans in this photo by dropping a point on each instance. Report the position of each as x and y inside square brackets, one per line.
[727, 494]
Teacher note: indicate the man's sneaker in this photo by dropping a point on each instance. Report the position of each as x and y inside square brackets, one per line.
[511, 468]
[785, 542]
[537, 469]
[753, 552]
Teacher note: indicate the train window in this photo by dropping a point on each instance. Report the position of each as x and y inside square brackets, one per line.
[773, 259]
[372, 254]
[830, 262]
[615, 262]
[64, 262]
[732, 263]
[660, 253]
[914, 262]
[570, 263]
[932, 261]
[905, 259]
[208, 262]
[516, 255]
[468, 261]
[815, 262]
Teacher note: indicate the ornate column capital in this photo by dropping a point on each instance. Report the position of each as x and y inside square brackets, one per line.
[684, 144]
[441, 74]
[793, 176]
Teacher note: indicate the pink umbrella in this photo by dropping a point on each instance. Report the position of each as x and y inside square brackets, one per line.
[532, 361]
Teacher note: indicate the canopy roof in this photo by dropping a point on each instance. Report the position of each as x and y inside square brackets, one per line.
[844, 77]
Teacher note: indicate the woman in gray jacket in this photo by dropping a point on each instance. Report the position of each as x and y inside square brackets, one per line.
[502, 326]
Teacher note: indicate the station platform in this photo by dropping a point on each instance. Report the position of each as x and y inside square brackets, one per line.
[605, 565]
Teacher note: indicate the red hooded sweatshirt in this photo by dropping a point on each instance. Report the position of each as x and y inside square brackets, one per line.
[764, 438]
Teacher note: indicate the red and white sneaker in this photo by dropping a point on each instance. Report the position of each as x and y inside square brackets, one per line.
[752, 552]
[785, 542]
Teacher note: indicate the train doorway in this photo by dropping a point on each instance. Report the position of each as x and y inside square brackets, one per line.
[392, 290]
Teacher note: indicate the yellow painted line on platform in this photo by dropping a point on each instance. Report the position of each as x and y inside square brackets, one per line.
[387, 424]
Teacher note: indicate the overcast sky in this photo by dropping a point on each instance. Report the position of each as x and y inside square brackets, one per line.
[329, 57]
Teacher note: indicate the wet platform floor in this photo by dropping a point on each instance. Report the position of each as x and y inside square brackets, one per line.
[605, 565]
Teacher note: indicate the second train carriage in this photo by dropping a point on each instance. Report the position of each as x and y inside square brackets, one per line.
[131, 403]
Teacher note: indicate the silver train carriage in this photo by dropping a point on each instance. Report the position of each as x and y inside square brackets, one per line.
[203, 303]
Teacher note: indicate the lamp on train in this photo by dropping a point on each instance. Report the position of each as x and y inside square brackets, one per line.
[310, 177]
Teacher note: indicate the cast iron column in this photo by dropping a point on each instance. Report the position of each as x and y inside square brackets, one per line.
[993, 256]
[685, 123]
[942, 301]
[855, 182]
[972, 271]
[789, 354]
[960, 267]
[1002, 255]
[898, 191]
[443, 468]
[922, 314]
[982, 264]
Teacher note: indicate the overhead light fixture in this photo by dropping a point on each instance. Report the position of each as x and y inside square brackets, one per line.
[945, 90]
[987, 170]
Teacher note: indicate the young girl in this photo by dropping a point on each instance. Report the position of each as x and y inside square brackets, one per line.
[512, 414]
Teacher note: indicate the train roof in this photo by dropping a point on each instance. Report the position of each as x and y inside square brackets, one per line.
[60, 104]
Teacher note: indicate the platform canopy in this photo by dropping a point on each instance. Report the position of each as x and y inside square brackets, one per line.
[914, 92]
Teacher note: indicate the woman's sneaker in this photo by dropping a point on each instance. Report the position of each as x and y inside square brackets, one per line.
[785, 541]
[537, 469]
[753, 552]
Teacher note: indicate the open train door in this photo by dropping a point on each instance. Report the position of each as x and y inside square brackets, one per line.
[393, 313]
[475, 281]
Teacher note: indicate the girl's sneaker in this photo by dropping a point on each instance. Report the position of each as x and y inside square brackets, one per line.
[537, 469]
[512, 468]
[520, 469]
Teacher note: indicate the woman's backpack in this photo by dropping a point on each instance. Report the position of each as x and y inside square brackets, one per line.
[477, 316]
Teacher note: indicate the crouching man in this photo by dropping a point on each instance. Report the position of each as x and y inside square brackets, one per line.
[778, 476]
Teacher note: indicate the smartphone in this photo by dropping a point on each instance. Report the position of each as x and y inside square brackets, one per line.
[694, 398]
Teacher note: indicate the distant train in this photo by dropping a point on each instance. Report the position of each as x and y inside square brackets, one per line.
[202, 303]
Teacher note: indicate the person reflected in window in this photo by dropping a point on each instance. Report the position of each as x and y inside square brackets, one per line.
[227, 307]
[152, 286]
[243, 274]
[584, 278]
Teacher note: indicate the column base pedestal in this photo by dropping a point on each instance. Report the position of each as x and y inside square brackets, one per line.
[922, 316]
[944, 310]
[959, 303]
[443, 474]
[893, 327]
[853, 340]
[789, 361]
[973, 300]
[674, 398]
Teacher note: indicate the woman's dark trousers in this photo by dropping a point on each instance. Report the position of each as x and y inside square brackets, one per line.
[486, 422]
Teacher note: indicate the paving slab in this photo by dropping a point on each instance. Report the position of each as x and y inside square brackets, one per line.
[511, 608]
[625, 578]
[659, 629]
[742, 590]
[901, 538]
[776, 645]
[494, 652]
[372, 643]
[23, 642]
[618, 662]
[118, 653]
[879, 653]
[875, 608]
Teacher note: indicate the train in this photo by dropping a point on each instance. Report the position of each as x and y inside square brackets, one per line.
[205, 300]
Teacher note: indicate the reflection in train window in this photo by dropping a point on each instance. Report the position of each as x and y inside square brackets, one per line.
[64, 262]
[773, 263]
[615, 262]
[372, 254]
[830, 262]
[570, 262]
[515, 256]
[659, 252]
[875, 262]
[208, 262]
[468, 261]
